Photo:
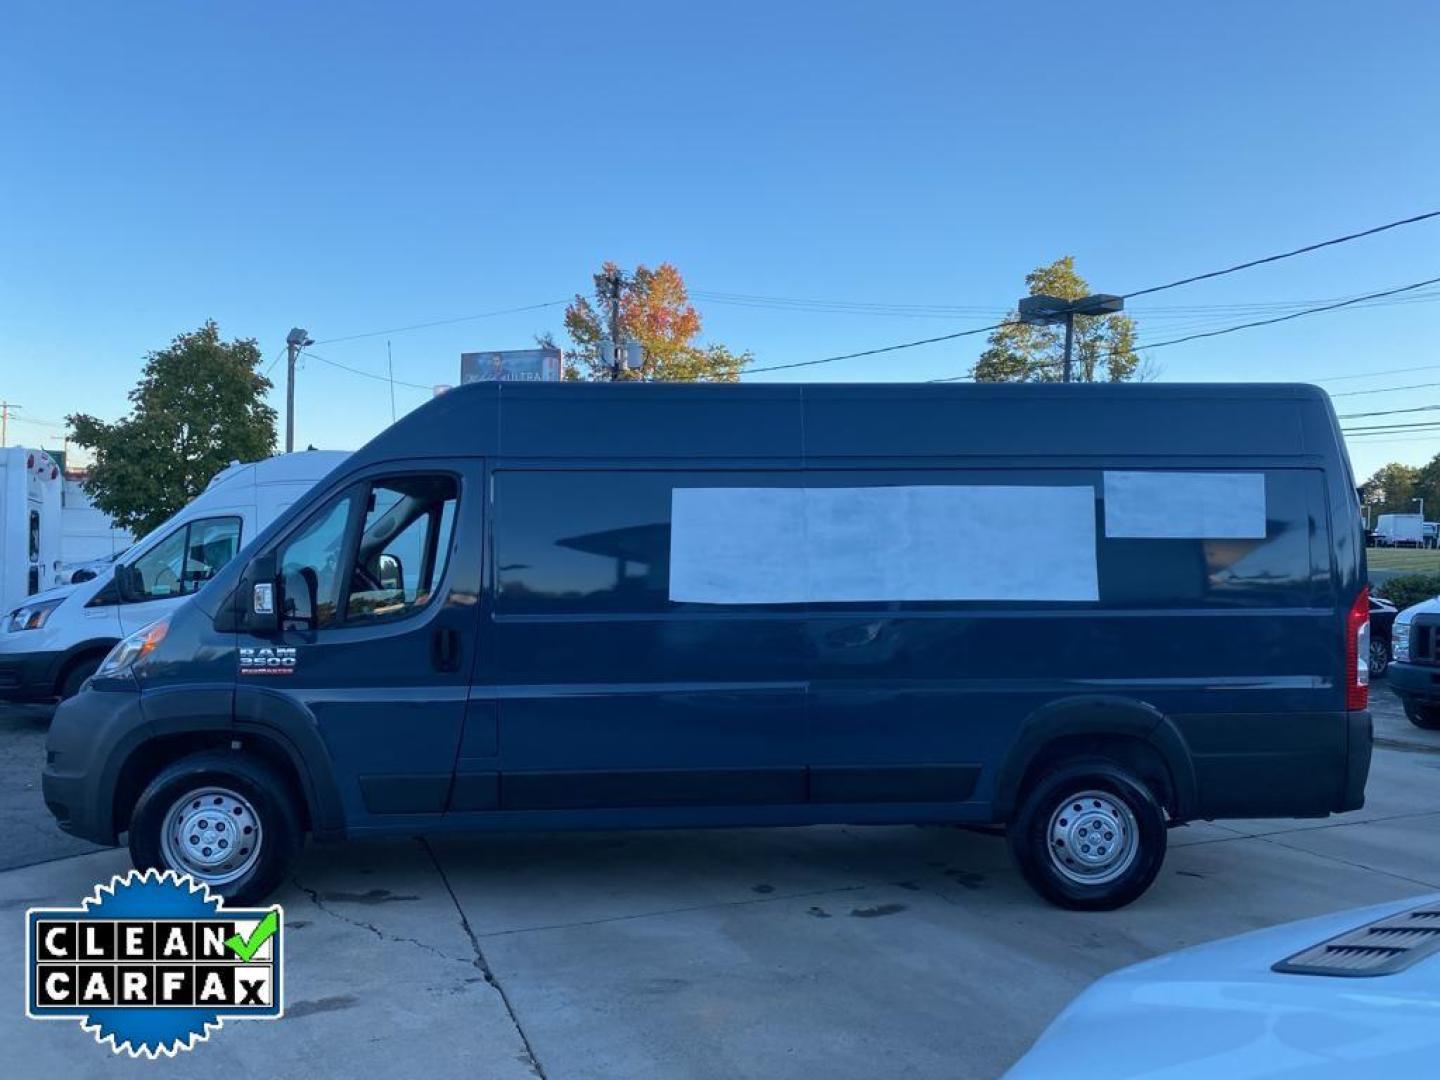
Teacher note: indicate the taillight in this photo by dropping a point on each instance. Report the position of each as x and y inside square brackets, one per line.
[1357, 652]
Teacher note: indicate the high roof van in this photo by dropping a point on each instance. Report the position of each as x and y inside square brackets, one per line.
[54, 640]
[1085, 613]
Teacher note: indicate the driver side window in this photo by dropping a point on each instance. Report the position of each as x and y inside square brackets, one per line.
[405, 527]
[310, 568]
[404, 546]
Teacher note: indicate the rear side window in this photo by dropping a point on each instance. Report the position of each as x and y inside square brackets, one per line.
[1287, 567]
[593, 542]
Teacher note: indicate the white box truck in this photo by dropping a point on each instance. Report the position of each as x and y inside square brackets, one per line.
[30, 485]
[1400, 530]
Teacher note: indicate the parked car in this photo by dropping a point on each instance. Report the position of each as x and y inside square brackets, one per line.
[1382, 619]
[54, 641]
[541, 606]
[1415, 665]
[1350, 995]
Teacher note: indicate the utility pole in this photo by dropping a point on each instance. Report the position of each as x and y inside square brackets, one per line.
[616, 281]
[5, 408]
[296, 340]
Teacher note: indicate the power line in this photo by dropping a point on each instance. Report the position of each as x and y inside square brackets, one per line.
[1409, 425]
[1388, 412]
[1287, 318]
[1284, 254]
[441, 322]
[882, 349]
[1374, 374]
[1141, 346]
[366, 374]
[273, 361]
[1387, 389]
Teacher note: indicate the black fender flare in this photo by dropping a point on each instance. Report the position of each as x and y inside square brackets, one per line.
[1097, 714]
[224, 709]
[279, 717]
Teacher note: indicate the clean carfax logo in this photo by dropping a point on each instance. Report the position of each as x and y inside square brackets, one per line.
[152, 963]
[267, 660]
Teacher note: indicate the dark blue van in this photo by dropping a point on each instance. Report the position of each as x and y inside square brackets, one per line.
[1085, 612]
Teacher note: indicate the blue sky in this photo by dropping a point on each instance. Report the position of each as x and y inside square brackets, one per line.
[354, 167]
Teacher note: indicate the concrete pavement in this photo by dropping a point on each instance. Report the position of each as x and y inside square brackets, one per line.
[843, 952]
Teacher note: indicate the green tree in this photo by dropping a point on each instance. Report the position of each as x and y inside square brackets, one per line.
[1392, 489]
[655, 310]
[1103, 348]
[199, 405]
[1427, 487]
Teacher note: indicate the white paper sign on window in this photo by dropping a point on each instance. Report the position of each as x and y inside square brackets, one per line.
[1185, 505]
[836, 545]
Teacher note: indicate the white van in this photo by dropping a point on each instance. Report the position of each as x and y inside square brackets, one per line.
[55, 639]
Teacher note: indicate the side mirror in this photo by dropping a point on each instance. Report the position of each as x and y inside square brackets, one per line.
[129, 586]
[299, 598]
[391, 572]
[259, 596]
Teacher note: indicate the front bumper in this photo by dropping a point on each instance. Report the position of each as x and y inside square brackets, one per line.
[29, 676]
[90, 737]
[1419, 682]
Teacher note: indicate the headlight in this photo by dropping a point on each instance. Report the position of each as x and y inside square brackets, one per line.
[31, 616]
[134, 648]
[1400, 642]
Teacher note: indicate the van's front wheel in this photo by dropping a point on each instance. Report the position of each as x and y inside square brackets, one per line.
[226, 819]
[1090, 835]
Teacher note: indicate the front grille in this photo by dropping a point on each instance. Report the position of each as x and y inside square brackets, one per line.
[1422, 642]
[1381, 948]
[1424, 637]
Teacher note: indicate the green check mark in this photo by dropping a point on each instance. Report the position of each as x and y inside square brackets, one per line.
[244, 948]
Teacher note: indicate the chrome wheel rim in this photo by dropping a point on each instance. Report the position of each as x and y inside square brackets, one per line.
[212, 834]
[1093, 838]
[1379, 657]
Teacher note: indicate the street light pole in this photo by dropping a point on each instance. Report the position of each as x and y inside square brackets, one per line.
[296, 340]
[1069, 339]
[1043, 310]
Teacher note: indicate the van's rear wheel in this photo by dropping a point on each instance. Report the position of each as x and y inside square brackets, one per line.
[1089, 835]
[1423, 716]
[225, 819]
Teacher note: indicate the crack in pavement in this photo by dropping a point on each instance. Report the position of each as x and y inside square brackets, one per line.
[1236, 834]
[1275, 838]
[483, 966]
[314, 896]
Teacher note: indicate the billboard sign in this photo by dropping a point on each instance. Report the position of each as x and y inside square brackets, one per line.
[511, 365]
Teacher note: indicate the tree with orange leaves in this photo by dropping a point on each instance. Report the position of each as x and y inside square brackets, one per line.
[655, 310]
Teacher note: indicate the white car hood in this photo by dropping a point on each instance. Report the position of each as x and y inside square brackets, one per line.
[1218, 1010]
[59, 592]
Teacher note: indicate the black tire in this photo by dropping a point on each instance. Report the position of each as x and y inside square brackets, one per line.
[270, 798]
[76, 674]
[1114, 786]
[1379, 658]
[1423, 716]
